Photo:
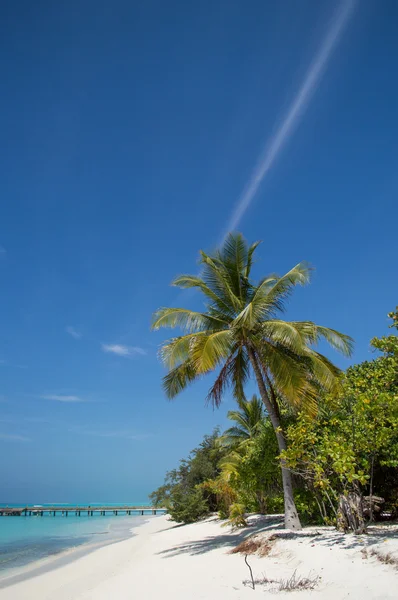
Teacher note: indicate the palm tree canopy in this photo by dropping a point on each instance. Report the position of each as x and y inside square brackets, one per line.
[240, 317]
[247, 419]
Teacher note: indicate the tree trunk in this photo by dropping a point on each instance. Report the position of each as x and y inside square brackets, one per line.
[350, 514]
[262, 503]
[292, 520]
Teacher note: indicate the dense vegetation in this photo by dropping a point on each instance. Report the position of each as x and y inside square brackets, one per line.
[240, 335]
[334, 435]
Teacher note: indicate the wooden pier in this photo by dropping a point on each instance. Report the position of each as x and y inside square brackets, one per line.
[29, 511]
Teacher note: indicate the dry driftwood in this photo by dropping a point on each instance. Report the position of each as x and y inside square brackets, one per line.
[350, 514]
[372, 506]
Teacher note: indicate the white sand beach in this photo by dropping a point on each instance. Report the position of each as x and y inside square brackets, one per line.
[168, 561]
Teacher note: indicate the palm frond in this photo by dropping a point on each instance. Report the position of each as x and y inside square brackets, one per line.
[219, 387]
[234, 374]
[289, 375]
[268, 298]
[179, 378]
[325, 373]
[284, 333]
[217, 278]
[273, 291]
[240, 316]
[193, 281]
[230, 464]
[232, 258]
[239, 374]
[314, 333]
[209, 350]
[176, 350]
[185, 319]
[249, 262]
[233, 436]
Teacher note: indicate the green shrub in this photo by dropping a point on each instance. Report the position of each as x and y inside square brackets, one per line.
[187, 507]
[237, 515]
[307, 508]
[275, 505]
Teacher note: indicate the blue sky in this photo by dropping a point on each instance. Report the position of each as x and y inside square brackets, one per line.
[134, 134]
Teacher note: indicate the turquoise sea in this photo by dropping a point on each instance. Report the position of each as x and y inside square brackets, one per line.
[24, 540]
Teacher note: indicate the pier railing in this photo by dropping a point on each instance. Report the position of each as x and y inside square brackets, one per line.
[78, 510]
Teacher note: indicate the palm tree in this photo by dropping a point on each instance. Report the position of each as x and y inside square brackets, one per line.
[239, 334]
[248, 420]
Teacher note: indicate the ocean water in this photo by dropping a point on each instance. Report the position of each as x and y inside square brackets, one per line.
[24, 540]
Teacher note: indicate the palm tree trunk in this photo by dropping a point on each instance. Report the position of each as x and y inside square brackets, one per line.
[292, 520]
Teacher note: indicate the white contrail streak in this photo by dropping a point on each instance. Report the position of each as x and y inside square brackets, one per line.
[294, 114]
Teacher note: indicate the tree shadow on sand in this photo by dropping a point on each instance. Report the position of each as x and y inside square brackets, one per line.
[228, 540]
[349, 541]
[274, 525]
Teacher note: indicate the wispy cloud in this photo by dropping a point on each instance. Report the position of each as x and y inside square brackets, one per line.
[294, 114]
[3, 252]
[121, 350]
[73, 332]
[63, 398]
[10, 437]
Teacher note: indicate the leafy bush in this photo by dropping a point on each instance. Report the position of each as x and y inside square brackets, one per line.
[275, 505]
[237, 515]
[186, 501]
[187, 507]
[351, 445]
[219, 494]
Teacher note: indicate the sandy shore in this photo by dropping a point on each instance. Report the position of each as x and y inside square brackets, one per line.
[165, 561]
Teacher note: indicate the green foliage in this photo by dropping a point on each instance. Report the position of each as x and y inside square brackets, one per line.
[308, 507]
[239, 333]
[237, 515]
[187, 506]
[255, 472]
[355, 432]
[275, 504]
[394, 316]
[239, 327]
[220, 494]
[182, 494]
[247, 419]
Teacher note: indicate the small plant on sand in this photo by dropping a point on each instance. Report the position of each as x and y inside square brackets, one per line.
[297, 582]
[237, 516]
[292, 584]
[387, 559]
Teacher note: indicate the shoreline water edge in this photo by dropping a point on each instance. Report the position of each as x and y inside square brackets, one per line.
[165, 560]
[36, 544]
